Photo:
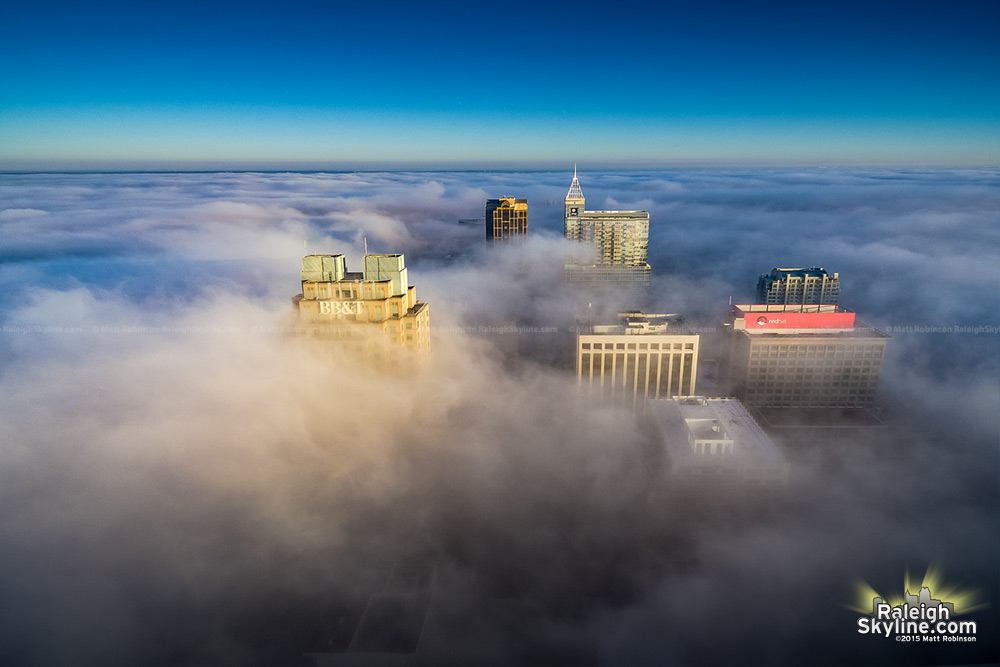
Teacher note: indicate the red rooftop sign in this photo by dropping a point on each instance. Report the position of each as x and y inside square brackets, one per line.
[779, 320]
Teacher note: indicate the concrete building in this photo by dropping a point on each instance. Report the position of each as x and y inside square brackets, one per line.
[715, 440]
[798, 286]
[802, 428]
[804, 356]
[506, 218]
[641, 357]
[374, 310]
[620, 242]
[609, 279]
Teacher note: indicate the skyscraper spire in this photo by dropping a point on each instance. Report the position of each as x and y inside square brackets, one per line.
[574, 189]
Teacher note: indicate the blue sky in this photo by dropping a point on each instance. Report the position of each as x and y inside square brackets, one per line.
[490, 83]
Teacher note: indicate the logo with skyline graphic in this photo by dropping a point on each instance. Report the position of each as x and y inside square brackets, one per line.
[920, 617]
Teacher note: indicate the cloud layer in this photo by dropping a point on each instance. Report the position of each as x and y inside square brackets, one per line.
[183, 484]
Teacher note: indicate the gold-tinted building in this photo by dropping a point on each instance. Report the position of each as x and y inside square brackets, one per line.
[506, 217]
[374, 310]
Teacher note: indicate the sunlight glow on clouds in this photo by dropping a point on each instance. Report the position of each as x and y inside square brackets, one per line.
[178, 475]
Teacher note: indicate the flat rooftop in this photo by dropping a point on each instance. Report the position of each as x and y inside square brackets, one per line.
[834, 418]
[680, 420]
[815, 271]
[798, 334]
[790, 308]
[642, 324]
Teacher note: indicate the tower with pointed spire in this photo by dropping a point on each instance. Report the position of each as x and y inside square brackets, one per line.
[574, 207]
[620, 241]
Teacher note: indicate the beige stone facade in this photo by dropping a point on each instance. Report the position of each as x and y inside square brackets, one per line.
[374, 310]
[638, 359]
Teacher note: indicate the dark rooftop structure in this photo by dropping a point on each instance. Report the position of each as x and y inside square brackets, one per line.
[801, 286]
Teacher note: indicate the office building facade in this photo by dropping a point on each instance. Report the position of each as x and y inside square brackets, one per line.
[506, 218]
[798, 286]
[619, 242]
[639, 358]
[611, 280]
[804, 356]
[372, 309]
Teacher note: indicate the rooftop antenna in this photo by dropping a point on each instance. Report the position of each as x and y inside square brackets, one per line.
[366, 246]
[574, 170]
[305, 247]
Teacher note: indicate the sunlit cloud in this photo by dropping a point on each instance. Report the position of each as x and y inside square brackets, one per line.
[176, 468]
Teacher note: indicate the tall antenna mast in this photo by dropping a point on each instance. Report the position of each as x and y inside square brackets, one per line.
[366, 246]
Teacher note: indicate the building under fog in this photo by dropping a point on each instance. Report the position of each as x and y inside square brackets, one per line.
[716, 440]
[798, 286]
[380, 623]
[375, 310]
[619, 240]
[642, 356]
[506, 218]
[804, 356]
[804, 427]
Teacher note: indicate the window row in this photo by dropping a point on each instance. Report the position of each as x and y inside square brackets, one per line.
[637, 346]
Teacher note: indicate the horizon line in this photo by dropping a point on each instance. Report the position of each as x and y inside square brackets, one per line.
[348, 166]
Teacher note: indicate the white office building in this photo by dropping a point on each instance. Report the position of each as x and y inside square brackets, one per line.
[643, 356]
[715, 440]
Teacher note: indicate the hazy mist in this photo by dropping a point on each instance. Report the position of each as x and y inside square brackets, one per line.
[183, 483]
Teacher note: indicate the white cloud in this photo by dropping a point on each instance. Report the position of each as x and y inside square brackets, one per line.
[174, 469]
